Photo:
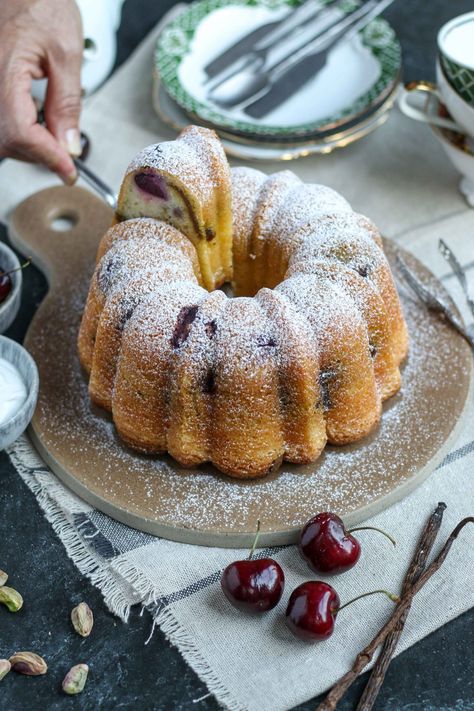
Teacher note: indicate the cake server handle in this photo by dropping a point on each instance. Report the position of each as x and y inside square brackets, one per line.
[92, 179]
[432, 301]
[458, 271]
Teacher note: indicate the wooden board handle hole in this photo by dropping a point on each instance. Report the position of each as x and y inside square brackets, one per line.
[63, 220]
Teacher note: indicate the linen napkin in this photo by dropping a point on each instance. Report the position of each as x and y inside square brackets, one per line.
[399, 176]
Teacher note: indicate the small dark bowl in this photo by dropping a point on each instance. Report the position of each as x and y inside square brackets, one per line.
[9, 307]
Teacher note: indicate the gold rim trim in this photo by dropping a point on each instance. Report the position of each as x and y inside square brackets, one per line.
[293, 151]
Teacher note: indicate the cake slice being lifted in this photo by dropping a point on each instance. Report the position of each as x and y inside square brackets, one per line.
[186, 183]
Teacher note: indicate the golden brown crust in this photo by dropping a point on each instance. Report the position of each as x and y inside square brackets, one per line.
[249, 382]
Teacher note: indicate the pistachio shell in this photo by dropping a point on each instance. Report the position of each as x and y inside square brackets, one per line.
[5, 667]
[11, 598]
[82, 619]
[28, 663]
[75, 679]
[3, 577]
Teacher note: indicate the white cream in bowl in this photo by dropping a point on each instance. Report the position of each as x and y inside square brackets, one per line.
[13, 392]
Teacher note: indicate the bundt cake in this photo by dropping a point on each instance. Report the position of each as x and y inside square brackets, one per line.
[303, 355]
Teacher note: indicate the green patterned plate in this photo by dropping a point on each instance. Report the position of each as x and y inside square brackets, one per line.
[357, 76]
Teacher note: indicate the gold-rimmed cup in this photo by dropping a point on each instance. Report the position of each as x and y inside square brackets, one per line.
[456, 55]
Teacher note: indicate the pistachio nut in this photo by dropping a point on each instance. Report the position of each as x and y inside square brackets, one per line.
[3, 577]
[75, 679]
[11, 598]
[82, 619]
[5, 667]
[28, 663]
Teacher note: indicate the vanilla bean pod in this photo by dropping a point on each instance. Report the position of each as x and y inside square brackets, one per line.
[365, 656]
[416, 567]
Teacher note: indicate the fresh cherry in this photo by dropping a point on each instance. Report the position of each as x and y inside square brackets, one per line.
[328, 547]
[6, 284]
[253, 585]
[313, 607]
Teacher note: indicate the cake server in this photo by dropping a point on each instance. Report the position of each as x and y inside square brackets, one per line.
[432, 301]
[92, 179]
[451, 258]
[88, 175]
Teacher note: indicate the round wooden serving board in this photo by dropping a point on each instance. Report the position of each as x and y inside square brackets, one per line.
[202, 506]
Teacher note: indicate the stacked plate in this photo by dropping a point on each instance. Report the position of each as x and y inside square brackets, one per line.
[349, 97]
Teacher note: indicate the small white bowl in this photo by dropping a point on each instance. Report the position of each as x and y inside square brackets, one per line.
[9, 307]
[26, 366]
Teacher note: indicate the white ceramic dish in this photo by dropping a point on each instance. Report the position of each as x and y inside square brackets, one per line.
[9, 307]
[100, 22]
[359, 73]
[26, 366]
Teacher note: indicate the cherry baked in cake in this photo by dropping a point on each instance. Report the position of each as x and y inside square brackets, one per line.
[303, 353]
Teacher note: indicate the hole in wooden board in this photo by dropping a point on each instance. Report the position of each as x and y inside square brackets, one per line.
[64, 221]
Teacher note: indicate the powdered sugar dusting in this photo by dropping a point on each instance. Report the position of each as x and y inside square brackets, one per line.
[189, 156]
[414, 426]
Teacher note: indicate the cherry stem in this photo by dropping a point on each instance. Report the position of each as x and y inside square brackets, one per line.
[254, 544]
[17, 269]
[373, 528]
[391, 596]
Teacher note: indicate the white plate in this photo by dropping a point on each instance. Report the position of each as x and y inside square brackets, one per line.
[358, 74]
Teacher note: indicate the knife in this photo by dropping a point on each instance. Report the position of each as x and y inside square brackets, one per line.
[301, 70]
[248, 43]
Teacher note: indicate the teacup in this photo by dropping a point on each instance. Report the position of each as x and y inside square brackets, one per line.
[461, 111]
[456, 54]
[459, 148]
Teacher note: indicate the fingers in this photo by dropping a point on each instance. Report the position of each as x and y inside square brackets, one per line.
[41, 39]
[23, 138]
[63, 100]
[38, 145]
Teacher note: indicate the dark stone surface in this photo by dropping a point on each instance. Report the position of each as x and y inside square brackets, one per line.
[435, 675]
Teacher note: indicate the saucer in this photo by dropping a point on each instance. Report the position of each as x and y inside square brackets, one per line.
[249, 148]
[359, 74]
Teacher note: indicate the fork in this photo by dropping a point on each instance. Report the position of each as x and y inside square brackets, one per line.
[431, 301]
[457, 270]
[256, 76]
[290, 25]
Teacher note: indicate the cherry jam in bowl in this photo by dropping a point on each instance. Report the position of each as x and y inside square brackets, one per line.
[10, 287]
